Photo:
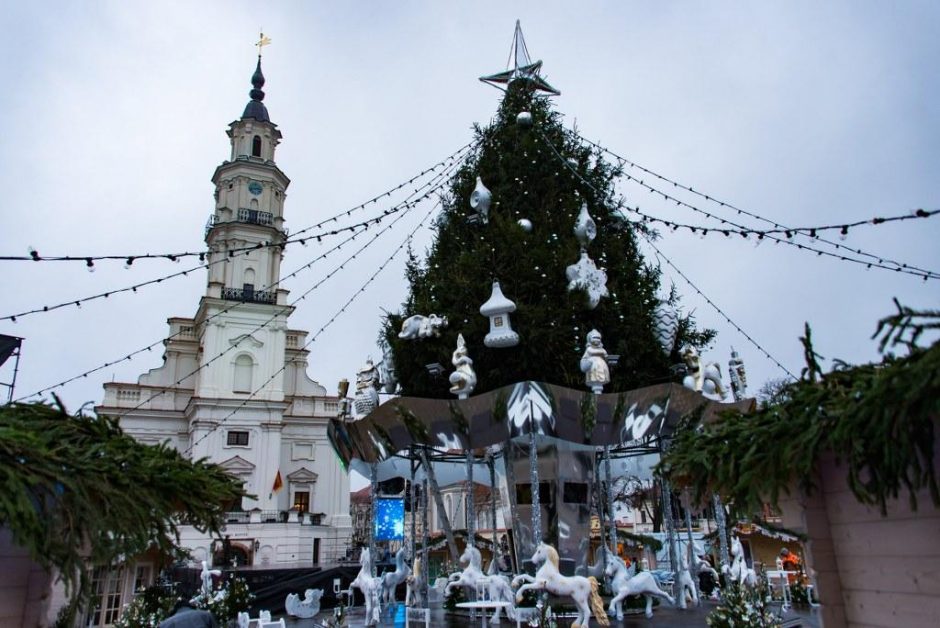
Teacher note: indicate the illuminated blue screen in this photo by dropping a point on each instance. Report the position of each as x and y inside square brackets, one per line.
[389, 519]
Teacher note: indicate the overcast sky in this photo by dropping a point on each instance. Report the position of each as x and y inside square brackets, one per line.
[803, 112]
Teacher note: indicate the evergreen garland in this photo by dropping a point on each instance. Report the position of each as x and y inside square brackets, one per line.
[76, 491]
[527, 180]
[878, 419]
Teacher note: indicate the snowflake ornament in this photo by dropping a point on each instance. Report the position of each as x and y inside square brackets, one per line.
[587, 276]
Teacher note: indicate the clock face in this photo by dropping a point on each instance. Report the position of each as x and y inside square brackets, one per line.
[255, 188]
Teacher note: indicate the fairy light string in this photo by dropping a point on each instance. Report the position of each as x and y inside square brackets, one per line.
[808, 232]
[129, 259]
[443, 178]
[659, 255]
[229, 253]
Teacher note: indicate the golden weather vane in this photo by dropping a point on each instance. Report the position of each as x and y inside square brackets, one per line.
[262, 41]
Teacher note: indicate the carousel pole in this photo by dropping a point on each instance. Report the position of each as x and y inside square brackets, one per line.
[414, 513]
[516, 522]
[534, 480]
[471, 511]
[670, 527]
[722, 523]
[491, 463]
[610, 500]
[688, 528]
[373, 480]
[425, 533]
[441, 511]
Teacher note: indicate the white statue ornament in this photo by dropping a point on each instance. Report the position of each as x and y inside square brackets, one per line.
[737, 375]
[367, 384]
[463, 380]
[594, 363]
[703, 377]
[585, 229]
[665, 326]
[419, 326]
[584, 274]
[480, 200]
[498, 308]
[305, 608]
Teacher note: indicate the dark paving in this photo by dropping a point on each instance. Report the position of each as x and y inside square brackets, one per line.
[663, 617]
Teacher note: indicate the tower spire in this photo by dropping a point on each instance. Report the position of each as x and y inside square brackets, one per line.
[255, 108]
[520, 66]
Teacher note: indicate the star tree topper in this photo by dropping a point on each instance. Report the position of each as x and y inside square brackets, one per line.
[520, 66]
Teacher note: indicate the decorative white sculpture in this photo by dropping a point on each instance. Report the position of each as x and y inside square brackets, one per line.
[370, 586]
[480, 202]
[594, 363]
[665, 326]
[498, 308]
[414, 592]
[464, 379]
[625, 584]
[367, 383]
[585, 230]
[305, 608]
[582, 590]
[584, 274]
[391, 579]
[206, 577]
[497, 587]
[685, 585]
[703, 377]
[737, 375]
[419, 326]
[739, 572]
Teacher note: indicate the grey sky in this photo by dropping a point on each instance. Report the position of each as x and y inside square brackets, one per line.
[115, 117]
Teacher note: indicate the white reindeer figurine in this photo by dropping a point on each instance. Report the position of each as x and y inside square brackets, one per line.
[582, 590]
[625, 584]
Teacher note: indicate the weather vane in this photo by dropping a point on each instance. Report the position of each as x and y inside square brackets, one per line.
[262, 41]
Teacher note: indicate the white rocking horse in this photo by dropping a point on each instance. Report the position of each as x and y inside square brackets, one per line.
[625, 584]
[495, 586]
[582, 590]
[739, 572]
[392, 579]
[370, 586]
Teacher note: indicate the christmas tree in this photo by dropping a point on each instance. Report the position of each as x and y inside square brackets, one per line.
[539, 177]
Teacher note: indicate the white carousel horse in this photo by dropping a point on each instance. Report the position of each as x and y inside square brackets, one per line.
[582, 590]
[305, 608]
[626, 584]
[414, 592]
[370, 586]
[497, 587]
[739, 572]
[392, 579]
[684, 583]
[206, 576]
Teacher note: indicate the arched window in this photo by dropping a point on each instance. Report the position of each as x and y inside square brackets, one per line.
[244, 366]
[256, 146]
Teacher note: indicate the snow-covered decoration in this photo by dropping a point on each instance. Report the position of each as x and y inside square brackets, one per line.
[419, 326]
[464, 379]
[367, 394]
[391, 579]
[495, 587]
[498, 308]
[584, 591]
[625, 584]
[305, 608]
[371, 588]
[665, 326]
[703, 377]
[585, 275]
[594, 363]
[585, 230]
[737, 375]
[480, 200]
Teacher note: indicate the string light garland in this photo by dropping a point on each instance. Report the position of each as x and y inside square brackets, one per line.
[880, 259]
[316, 335]
[442, 183]
[660, 256]
[229, 253]
[89, 260]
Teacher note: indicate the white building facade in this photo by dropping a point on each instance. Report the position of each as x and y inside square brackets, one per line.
[233, 386]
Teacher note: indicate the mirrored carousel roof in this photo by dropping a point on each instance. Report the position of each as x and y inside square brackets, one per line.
[578, 417]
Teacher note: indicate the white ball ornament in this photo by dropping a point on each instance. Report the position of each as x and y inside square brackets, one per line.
[526, 224]
[524, 119]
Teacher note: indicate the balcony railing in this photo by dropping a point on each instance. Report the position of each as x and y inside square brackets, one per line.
[255, 217]
[247, 295]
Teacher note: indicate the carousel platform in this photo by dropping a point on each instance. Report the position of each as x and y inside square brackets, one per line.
[664, 617]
